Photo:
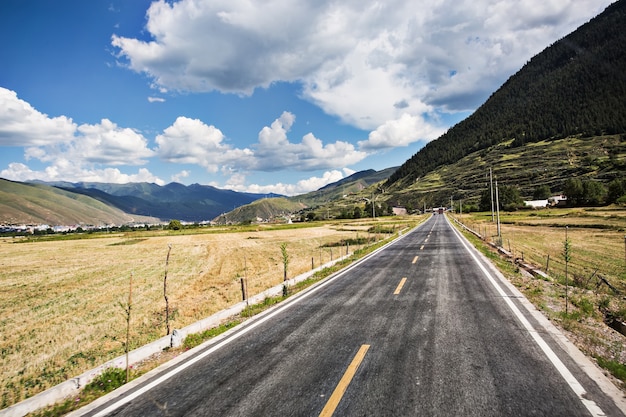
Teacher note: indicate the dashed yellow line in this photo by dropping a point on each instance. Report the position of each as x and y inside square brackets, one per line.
[422, 248]
[415, 260]
[334, 399]
[399, 287]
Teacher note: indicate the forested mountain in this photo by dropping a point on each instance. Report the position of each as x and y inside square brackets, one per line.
[577, 86]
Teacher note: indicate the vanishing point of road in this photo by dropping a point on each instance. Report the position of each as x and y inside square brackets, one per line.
[424, 327]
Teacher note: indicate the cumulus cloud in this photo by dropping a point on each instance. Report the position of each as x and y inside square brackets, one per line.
[191, 141]
[182, 174]
[400, 132]
[104, 143]
[238, 183]
[275, 152]
[107, 143]
[65, 170]
[93, 152]
[72, 152]
[22, 125]
[366, 62]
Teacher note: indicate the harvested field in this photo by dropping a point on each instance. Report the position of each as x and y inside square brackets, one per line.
[62, 301]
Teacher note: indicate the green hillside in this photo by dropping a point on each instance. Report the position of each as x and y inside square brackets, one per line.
[574, 88]
[264, 210]
[548, 162]
[354, 184]
[22, 203]
[330, 199]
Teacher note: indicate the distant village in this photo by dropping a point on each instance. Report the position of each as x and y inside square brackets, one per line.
[43, 229]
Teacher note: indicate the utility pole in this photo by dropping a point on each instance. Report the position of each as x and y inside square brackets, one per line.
[491, 182]
[498, 214]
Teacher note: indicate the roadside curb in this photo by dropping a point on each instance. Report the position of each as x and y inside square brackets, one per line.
[73, 386]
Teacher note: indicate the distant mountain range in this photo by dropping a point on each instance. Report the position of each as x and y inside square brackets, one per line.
[65, 203]
[191, 203]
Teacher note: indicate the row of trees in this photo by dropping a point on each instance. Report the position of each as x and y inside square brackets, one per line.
[579, 193]
[591, 193]
[380, 209]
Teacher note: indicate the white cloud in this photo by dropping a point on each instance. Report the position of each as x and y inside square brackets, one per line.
[64, 170]
[22, 125]
[91, 152]
[275, 152]
[156, 99]
[190, 141]
[107, 143]
[237, 183]
[182, 174]
[400, 132]
[71, 152]
[104, 143]
[366, 61]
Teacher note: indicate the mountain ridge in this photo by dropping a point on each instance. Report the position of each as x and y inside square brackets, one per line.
[575, 86]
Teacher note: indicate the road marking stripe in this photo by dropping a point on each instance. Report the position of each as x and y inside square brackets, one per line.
[124, 397]
[415, 259]
[337, 394]
[399, 287]
[571, 380]
[422, 248]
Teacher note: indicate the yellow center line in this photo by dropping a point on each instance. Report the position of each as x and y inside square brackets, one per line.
[399, 287]
[422, 248]
[415, 259]
[334, 399]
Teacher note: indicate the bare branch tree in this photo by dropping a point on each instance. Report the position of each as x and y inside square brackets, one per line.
[167, 304]
[127, 310]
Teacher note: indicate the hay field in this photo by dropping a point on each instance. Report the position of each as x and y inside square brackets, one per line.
[597, 239]
[60, 300]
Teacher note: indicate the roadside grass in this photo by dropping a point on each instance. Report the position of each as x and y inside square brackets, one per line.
[596, 273]
[107, 381]
[60, 304]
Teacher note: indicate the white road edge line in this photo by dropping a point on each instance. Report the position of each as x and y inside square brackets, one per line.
[167, 375]
[571, 380]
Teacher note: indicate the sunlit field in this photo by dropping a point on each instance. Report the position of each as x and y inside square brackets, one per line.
[62, 300]
[597, 239]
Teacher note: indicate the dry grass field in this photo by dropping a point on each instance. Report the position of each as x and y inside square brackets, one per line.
[61, 301]
[597, 240]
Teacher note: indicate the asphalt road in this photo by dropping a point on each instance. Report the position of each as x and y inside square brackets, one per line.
[421, 328]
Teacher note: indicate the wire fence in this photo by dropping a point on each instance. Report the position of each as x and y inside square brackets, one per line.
[597, 258]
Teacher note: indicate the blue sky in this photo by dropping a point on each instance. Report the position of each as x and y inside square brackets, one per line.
[277, 96]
